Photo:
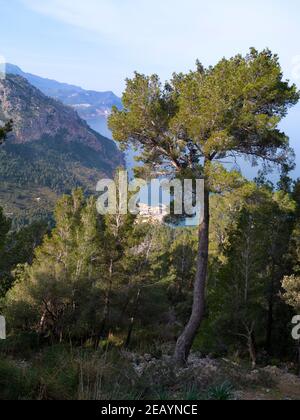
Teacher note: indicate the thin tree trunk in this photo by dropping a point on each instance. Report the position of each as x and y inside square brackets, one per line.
[42, 322]
[270, 312]
[137, 301]
[270, 326]
[106, 311]
[131, 326]
[185, 341]
[252, 349]
[251, 343]
[247, 268]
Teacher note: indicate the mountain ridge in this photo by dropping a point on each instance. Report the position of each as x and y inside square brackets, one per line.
[46, 114]
[88, 103]
[50, 152]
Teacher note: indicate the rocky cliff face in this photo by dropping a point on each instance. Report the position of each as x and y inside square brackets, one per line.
[36, 115]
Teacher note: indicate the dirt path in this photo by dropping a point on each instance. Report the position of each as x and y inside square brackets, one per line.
[287, 388]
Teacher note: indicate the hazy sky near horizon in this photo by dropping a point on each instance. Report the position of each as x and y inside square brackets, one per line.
[98, 43]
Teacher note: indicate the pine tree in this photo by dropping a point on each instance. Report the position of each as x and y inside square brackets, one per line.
[59, 295]
[5, 225]
[185, 127]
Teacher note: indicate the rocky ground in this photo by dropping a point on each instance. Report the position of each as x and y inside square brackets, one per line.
[217, 379]
[286, 387]
[57, 374]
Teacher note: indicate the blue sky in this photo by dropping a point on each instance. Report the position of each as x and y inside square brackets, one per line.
[98, 43]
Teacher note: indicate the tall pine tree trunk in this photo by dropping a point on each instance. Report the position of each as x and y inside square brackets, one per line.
[185, 341]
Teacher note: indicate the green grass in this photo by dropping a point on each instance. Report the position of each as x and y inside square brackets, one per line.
[16, 382]
[223, 392]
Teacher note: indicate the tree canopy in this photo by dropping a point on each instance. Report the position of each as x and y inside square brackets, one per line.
[187, 126]
[231, 109]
